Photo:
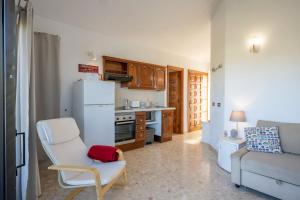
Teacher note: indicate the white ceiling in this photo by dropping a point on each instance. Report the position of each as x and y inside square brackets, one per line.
[181, 27]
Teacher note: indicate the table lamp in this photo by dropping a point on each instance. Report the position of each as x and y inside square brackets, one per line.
[237, 116]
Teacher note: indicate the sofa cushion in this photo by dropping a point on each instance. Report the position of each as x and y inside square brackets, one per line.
[289, 134]
[263, 139]
[284, 167]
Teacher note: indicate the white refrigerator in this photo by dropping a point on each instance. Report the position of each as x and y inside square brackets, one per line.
[94, 111]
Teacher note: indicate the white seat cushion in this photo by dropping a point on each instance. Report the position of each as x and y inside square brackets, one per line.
[108, 171]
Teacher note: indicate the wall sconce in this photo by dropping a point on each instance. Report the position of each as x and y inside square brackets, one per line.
[91, 55]
[255, 44]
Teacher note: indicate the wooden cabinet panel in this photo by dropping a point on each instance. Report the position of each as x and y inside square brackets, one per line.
[140, 136]
[140, 120]
[167, 124]
[140, 127]
[160, 78]
[132, 70]
[146, 76]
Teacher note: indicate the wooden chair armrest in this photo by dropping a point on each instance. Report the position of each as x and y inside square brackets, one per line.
[75, 168]
[121, 155]
[78, 168]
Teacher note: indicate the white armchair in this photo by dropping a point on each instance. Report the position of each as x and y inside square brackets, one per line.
[61, 142]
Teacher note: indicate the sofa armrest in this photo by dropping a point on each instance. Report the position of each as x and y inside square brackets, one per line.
[236, 165]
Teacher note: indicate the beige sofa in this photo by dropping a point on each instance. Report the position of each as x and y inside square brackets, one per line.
[277, 175]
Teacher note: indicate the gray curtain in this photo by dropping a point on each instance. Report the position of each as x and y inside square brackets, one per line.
[47, 86]
[44, 100]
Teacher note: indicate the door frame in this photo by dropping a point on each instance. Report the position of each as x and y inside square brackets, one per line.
[7, 101]
[181, 95]
[192, 71]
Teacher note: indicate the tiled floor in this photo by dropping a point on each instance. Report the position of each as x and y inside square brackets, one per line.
[182, 169]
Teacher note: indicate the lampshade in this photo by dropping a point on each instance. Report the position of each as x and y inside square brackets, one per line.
[238, 116]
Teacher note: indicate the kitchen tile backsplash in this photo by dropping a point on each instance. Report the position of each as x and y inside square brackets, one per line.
[157, 98]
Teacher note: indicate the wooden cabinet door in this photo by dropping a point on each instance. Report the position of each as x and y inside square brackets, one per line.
[174, 99]
[160, 78]
[146, 76]
[132, 70]
[167, 124]
[140, 118]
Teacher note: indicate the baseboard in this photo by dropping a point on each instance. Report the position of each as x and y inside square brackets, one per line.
[160, 139]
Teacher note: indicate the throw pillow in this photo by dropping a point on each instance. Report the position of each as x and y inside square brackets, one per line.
[263, 139]
[103, 153]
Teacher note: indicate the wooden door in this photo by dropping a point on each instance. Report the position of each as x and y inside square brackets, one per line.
[175, 99]
[132, 70]
[160, 78]
[197, 99]
[146, 76]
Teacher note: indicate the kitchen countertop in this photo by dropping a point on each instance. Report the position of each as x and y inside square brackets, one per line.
[143, 109]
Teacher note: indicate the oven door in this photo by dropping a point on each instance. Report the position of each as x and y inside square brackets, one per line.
[124, 131]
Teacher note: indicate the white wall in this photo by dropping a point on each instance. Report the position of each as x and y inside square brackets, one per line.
[75, 42]
[218, 31]
[266, 85]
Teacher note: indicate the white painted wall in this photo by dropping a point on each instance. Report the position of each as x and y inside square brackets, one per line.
[266, 85]
[75, 42]
[218, 31]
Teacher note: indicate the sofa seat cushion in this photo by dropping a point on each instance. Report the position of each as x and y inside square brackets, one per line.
[284, 167]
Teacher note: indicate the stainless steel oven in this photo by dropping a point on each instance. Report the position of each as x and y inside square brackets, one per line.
[125, 128]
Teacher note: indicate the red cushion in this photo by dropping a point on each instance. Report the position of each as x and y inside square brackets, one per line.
[103, 153]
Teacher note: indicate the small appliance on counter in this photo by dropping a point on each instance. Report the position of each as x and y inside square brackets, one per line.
[135, 104]
[146, 104]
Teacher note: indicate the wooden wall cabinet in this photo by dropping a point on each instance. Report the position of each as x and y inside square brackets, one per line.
[145, 76]
[133, 71]
[167, 125]
[160, 78]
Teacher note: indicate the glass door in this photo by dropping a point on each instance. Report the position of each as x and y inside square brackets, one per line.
[7, 101]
